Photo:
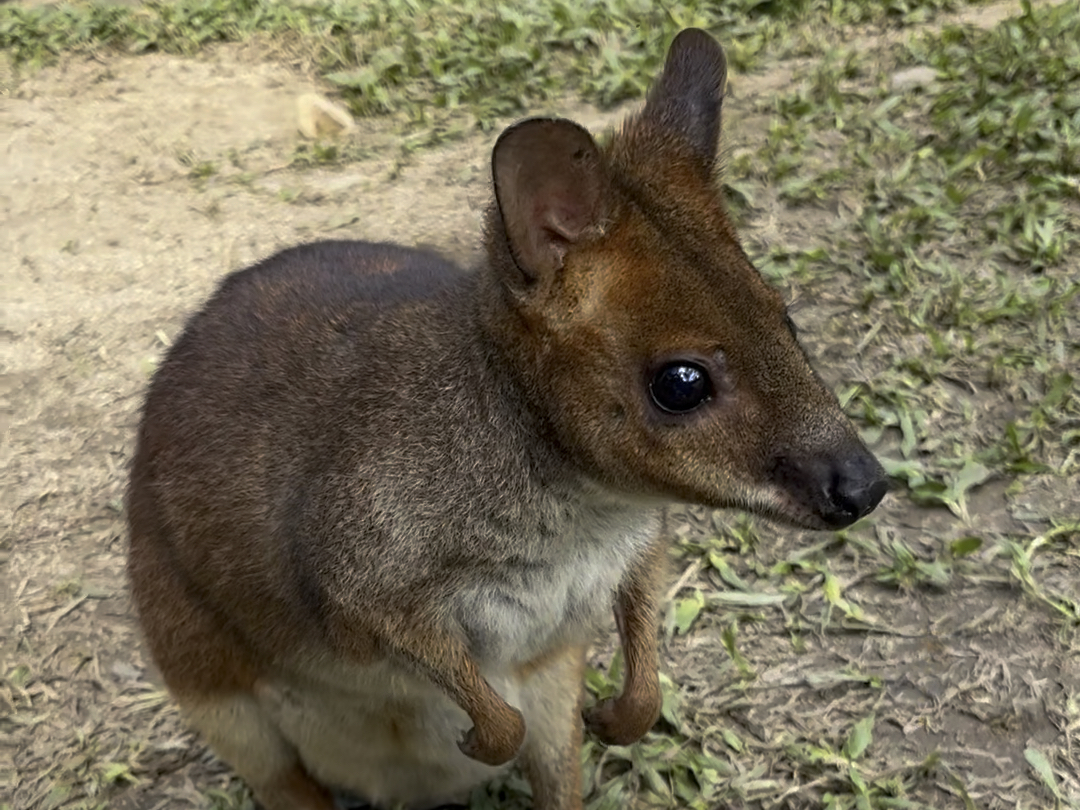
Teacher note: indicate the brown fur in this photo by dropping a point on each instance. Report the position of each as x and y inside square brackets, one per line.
[376, 500]
[625, 719]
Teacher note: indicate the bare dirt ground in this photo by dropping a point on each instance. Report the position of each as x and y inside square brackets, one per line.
[109, 240]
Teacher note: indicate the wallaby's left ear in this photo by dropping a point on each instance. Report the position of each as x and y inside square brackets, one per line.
[687, 97]
[549, 188]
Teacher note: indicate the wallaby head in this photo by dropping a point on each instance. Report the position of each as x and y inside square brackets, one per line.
[658, 356]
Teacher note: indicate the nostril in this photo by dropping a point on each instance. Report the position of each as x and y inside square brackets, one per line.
[846, 498]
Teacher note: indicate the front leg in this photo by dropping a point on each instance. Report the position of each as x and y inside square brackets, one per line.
[498, 728]
[424, 645]
[624, 719]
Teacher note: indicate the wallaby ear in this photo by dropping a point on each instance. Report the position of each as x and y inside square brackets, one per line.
[549, 188]
[687, 97]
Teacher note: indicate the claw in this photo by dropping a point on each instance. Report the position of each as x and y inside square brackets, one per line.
[496, 749]
[618, 721]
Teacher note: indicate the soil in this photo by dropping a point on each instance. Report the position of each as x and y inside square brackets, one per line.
[110, 238]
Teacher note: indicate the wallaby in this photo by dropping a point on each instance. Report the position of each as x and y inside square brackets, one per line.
[379, 506]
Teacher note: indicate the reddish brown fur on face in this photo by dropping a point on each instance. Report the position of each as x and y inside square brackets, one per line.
[668, 279]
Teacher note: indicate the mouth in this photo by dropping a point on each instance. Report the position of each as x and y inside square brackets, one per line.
[777, 504]
[781, 508]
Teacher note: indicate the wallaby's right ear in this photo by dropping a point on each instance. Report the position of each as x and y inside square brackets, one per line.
[687, 97]
[549, 188]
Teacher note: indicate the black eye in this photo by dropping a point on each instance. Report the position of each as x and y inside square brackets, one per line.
[680, 387]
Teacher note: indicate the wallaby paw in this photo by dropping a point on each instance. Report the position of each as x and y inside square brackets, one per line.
[495, 743]
[622, 720]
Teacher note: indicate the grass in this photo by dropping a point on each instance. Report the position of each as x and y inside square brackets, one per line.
[969, 214]
[425, 59]
[953, 214]
[959, 251]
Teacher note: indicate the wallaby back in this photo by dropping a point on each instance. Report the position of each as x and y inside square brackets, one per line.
[375, 498]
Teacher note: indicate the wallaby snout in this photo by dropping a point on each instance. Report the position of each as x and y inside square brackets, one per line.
[836, 489]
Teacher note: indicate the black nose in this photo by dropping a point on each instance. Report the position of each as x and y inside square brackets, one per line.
[857, 485]
[838, 488]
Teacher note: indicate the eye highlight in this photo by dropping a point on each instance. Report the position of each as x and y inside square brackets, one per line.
[680, 387]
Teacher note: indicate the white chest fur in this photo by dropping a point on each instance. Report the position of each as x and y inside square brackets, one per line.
[560, 595]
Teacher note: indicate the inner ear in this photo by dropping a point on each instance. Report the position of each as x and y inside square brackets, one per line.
[549, 188]
[687, 97]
